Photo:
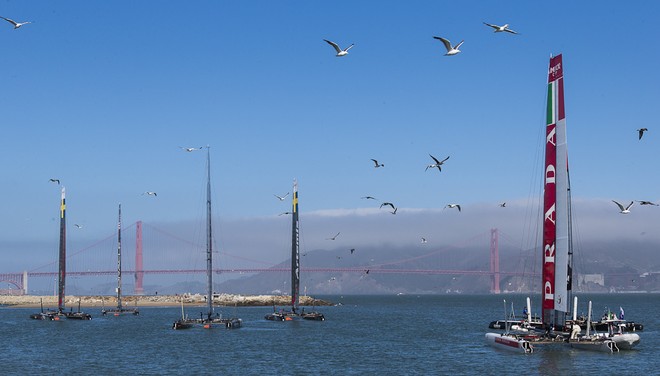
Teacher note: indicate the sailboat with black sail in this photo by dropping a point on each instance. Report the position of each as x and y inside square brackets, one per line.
[60, 313]
[212, 319]
[119, 310]
[294, 313]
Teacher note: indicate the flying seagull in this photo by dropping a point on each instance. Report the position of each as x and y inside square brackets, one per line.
[190, 149]
[641, 132]
[149, 193]
[284, 213]
[16, 24]
[376, 164]
[451, 206]
[503, 205]
[340, 52]
[450, 50]
[437, 163]
[352, 250]
[499, 29]
[369, 197]
[54, 180]
[333, 238]
[424, 240]
[625, 210]
[642, 202]
[78, 226]
[281, 198]
[388, 204]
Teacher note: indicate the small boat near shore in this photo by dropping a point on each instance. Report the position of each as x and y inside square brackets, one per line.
[293, 313]
[119, 310]
[211, 319]
[61, 313]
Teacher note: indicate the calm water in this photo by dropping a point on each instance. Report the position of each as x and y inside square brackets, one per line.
[366, 335]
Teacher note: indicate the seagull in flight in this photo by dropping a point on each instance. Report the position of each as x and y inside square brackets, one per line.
[499, 29]
[641, 132]
[78, 226]
[642, 202]
[424, 240]
[376, 164]
[503, 205]
[451, 206]
[150, 193]
[352, 250]
[281, 198]
[16, 24]
[369, 198]
[450, 50]
[437, 163]
[284, 213]
[333, 238]
[55, 181]
[388, 204]
[190, 149]
[625, 210]
[340, 52]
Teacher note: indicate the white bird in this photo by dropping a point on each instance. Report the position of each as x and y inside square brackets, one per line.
[149, 193]
[423, 240]
[190, 149]
[451, 206]
[16, 24]
[78, 226]
[281, 198]
[376, 164]
[625, 210]
[503, 205]
[437, 163]
[340, 52]
[333, 238]
[499, 29]
[450, 50]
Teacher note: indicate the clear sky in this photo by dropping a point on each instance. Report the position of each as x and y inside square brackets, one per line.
[101, 95]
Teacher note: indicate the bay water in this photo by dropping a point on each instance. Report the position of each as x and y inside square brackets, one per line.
[362, 335]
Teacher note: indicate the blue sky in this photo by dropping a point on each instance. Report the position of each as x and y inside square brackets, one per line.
[101, 95]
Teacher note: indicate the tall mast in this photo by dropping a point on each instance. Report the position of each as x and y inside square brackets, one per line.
[119, 260]
[62, 256]
[209, 236]
[295, 250]
[556, 203]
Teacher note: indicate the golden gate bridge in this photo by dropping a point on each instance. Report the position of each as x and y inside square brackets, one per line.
[82, 267]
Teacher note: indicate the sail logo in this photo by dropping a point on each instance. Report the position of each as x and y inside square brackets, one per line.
[555, 71]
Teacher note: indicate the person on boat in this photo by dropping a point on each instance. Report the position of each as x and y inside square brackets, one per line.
[525, 311]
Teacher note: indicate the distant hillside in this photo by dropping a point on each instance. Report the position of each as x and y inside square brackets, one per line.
[623, 265]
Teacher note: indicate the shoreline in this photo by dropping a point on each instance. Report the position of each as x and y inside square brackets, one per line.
[230, 300]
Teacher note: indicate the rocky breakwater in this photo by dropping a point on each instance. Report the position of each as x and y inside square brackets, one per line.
[232, 300]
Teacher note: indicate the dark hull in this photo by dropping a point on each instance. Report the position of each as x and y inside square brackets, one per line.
[290, 316]
[120, 312]
[232, 323]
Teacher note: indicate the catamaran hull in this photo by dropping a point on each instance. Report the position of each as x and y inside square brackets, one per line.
[509, 343]
[597, 345]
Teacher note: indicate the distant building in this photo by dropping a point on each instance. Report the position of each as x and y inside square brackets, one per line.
[588, 279]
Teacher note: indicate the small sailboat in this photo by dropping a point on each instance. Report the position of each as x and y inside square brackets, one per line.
[293, 313]
[60, 312]
[212, 319]
[119, 310]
